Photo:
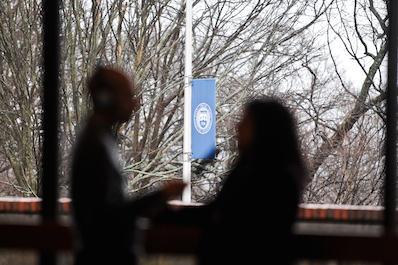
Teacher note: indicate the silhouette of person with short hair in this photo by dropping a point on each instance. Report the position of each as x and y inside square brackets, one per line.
[104, 216]
[251, 219]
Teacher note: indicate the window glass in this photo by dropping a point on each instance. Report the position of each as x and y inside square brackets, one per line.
[20, 100]
[326, 59]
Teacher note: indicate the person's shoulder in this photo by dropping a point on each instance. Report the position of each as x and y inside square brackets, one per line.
[89, 140]
[87, 136]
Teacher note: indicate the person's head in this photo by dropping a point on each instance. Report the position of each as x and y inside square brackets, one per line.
[113, 94]
[268, 130]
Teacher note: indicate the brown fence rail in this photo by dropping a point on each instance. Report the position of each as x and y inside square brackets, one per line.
[306, 212]
[169, 238]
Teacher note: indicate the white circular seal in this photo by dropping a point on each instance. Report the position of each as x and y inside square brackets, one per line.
[202, 118]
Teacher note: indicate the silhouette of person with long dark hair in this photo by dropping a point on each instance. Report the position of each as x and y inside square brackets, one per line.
[104, 216]
[250, 220]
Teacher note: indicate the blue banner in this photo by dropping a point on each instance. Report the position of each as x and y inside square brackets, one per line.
[203, 118]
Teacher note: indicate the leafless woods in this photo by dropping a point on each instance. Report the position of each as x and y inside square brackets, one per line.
[325, 58]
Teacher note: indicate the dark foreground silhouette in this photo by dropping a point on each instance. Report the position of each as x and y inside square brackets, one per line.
[105, 217]
[250, 220]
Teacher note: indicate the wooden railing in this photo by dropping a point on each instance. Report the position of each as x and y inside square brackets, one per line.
[308, 212]
[173, 238]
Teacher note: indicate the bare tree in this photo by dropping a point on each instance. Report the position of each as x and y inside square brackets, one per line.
[252, 48]
[346, 148]
[20, 122]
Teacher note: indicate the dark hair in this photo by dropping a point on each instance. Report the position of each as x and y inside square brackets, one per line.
[275, 130]
[276, 141]
[104, 84]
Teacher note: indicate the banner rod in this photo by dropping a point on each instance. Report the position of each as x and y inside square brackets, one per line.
[186, 174]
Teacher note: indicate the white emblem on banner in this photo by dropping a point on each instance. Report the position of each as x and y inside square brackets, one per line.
[202, 118]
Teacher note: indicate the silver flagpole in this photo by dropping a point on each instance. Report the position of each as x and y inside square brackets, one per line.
[186, 174]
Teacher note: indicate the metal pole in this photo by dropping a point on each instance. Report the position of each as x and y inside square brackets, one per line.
[391, 145]
[186, 174]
